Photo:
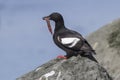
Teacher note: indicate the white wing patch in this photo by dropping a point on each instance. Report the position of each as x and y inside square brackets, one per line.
[71, 40]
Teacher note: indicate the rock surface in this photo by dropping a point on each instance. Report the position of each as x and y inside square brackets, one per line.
[75, 68]
[106, 41]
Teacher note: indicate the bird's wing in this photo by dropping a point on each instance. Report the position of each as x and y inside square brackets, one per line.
[74, 41]
[71, 39]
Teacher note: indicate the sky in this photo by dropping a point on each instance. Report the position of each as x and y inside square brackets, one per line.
[25, 42]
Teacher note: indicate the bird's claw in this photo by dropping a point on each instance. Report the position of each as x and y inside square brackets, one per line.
[61, 57]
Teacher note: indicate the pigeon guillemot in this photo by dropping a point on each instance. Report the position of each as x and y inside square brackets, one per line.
[70, 41]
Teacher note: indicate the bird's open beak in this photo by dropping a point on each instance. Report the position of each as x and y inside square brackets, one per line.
[47, 19]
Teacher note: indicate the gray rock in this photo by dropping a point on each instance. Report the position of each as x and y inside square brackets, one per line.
[75, 68]
[106, 42]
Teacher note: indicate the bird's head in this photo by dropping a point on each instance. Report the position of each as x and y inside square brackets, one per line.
[56, 17]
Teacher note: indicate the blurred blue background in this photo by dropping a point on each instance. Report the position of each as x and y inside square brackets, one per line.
[25, 42]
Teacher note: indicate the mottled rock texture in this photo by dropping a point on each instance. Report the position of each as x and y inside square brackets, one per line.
[106, 41]
[75, 68]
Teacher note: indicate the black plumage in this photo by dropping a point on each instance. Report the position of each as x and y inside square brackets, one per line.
[70, 41]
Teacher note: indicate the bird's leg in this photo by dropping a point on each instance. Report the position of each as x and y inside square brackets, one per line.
[68, 55]
[61, 57]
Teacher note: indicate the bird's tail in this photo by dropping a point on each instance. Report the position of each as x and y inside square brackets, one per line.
[89, 55]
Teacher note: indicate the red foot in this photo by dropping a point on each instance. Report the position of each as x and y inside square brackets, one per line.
[61, 57]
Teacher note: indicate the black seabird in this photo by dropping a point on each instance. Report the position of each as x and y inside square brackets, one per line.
[70, 41]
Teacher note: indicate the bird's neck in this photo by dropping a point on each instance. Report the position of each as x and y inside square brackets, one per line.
[59, 25]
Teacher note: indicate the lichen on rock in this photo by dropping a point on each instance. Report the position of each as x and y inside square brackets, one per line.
[75, 68]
